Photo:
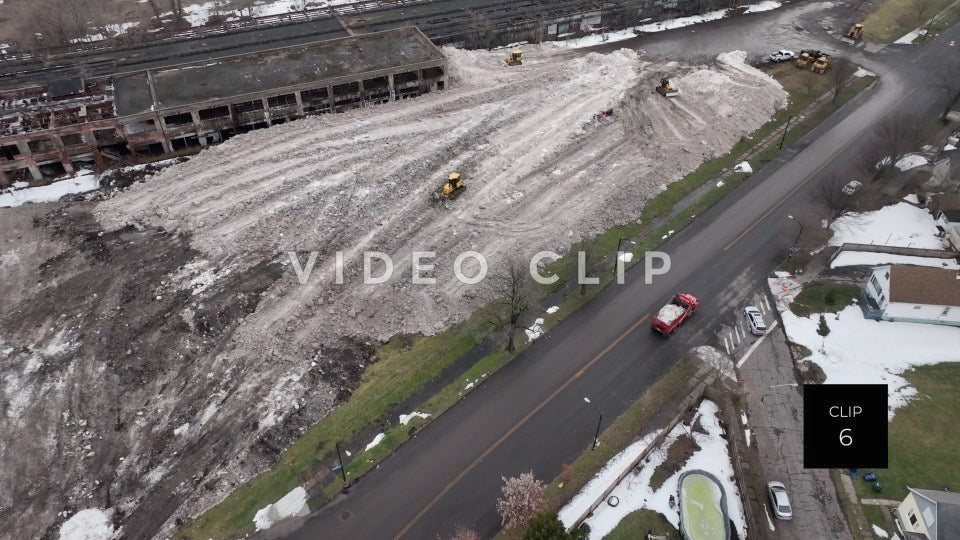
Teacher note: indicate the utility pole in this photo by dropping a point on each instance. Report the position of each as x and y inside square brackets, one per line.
[343, 472]
[616, 259]
[785, 128]
[596, 435]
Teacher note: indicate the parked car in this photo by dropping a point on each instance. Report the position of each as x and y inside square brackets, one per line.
[754, 320]
[782, 56]
[779, 500]
[851, 187]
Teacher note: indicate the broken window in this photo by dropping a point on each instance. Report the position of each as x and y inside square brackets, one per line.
[214, 112]
[285, 100]
[181, 119]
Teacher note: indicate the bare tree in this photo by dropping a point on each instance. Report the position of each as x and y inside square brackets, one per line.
[842, 72]
[808, 80]
[829, 196]
[897, 135]
[513, 296]
[874, 162]
[522, 498]
[480, 31]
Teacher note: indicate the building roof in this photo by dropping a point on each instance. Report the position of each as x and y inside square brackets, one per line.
[948, 509]
[949, 204]
[924, 285]
[262, 72]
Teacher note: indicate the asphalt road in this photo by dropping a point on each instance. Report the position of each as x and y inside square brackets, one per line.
[531, 414]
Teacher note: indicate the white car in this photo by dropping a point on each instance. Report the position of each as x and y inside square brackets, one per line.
[754, 321]
[779, 500]
[782, 56]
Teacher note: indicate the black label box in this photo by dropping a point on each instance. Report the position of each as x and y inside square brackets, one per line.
[844, 426]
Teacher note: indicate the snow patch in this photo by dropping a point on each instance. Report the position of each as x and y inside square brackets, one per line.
[376, 440]
[863, 351]
[879, 531]
[901, 224]
[292, 504]
[743, 167]
[406, 418]
[89, 524]
[535, 330]
[626, 256]
[635, 492]
[910, 161]
[552, 309]
[83, 182]
[868, 258]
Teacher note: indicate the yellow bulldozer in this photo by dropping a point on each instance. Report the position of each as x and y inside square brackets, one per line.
[666, 89]
[514, 59]
[450, 189]
[803, 60]
[854, 34]
[821, 64]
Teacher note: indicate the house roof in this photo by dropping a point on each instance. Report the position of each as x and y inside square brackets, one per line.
[924, 285]
[949, 204]
[948, 509]
[953, 216]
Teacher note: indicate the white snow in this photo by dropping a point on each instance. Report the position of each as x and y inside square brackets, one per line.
[901, 224]
[669, 313]
[83, 182]
[535, 330]
[867, 258]
[720, 183]
[89, 524]
[949, 147]
[912, 198]
[910, 161]
[860, 72]
[376, 440]
[626, 256]
[406, 418]
[635, 492]
[879, 531]
[670, 24]
[552, 309]
[743, 167]
[863, 351]
[182, 429]
[292, 504]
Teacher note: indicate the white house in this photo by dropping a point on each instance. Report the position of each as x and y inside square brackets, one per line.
[927, 514]
[913, 294]
[946, 211]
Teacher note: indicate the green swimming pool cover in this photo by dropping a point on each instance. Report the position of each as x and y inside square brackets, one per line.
[703, 507]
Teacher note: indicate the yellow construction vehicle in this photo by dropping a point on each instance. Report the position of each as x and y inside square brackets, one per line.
[450, 189]
[514, 58]
[854, 34]
[804, 60]
[666, 89]
[821, 64]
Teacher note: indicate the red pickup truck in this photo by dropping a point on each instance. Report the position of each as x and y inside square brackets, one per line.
[670, 316]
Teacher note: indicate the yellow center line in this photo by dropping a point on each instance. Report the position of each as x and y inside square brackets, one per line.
[519, 424]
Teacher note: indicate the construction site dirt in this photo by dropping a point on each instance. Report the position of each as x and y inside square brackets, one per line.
[159, 349]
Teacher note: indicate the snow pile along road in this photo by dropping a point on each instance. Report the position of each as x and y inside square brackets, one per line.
[901, 225]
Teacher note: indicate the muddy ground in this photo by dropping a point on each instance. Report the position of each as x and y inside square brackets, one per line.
[157, 347]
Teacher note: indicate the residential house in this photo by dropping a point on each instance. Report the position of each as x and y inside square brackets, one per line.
[927, 514]
[913, 294]
[946, 211]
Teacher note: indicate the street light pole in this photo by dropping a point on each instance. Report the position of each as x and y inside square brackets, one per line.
[596, 435]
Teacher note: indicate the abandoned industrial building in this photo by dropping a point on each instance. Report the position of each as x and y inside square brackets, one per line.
[51, 129]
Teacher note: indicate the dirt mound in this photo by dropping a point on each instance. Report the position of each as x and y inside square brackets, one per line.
[185, 349]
